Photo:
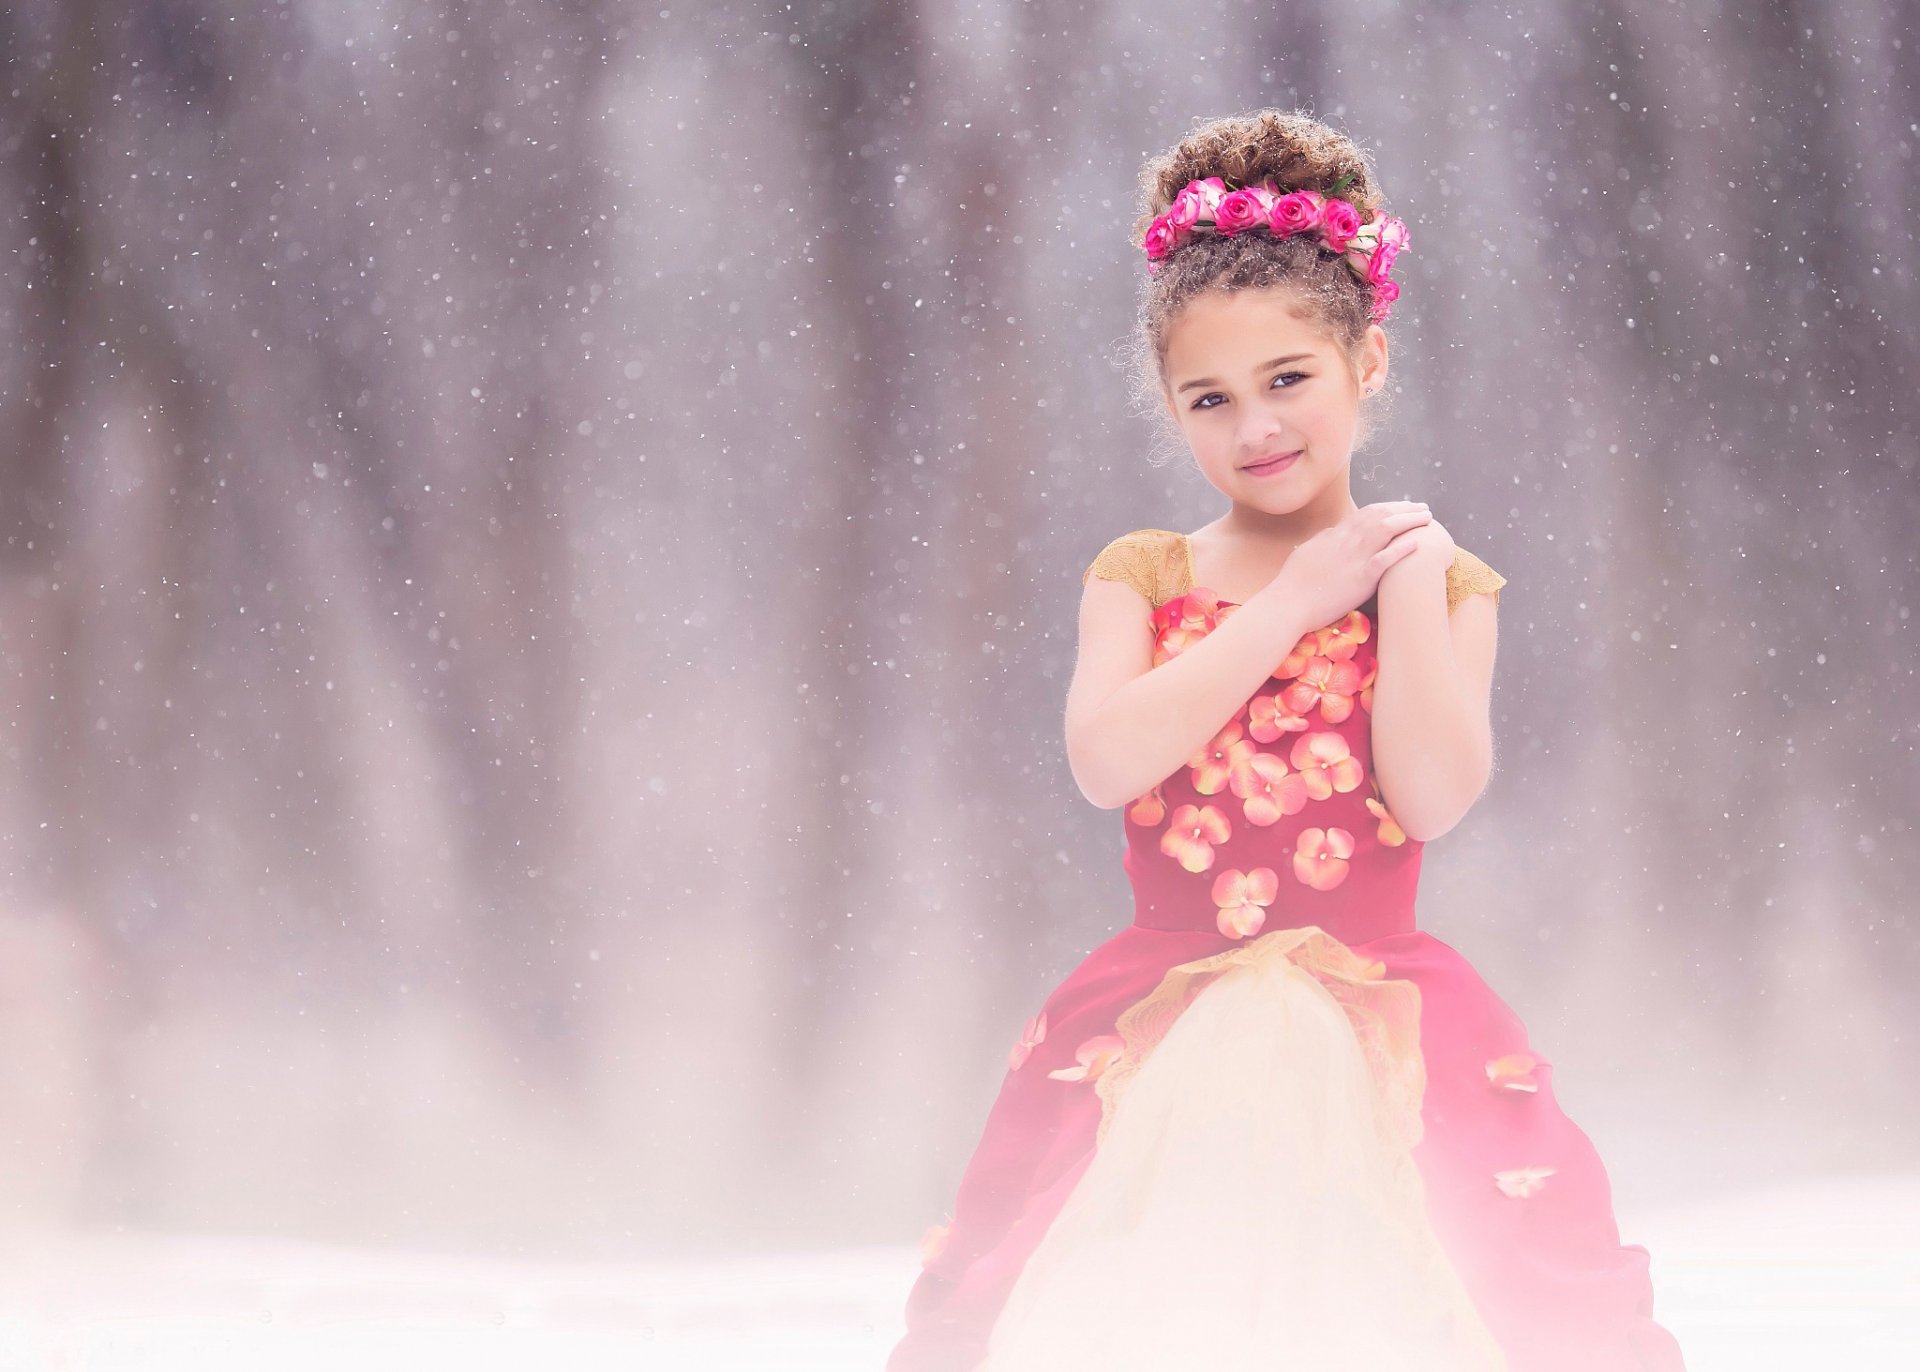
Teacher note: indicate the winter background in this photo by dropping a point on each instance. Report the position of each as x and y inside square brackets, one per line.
[541, 553]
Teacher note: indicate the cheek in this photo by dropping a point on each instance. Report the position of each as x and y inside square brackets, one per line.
[1218, 446]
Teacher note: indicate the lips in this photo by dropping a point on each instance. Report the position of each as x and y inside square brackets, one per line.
[1266, 466]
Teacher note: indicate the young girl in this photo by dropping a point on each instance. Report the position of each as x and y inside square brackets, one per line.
[1273, 1123]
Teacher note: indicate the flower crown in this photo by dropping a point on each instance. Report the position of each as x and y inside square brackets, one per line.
[1369, 248]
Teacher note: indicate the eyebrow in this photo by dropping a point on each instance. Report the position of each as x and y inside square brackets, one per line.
[1263, 367]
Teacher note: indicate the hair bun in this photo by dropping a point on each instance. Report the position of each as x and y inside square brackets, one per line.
[1288, 148]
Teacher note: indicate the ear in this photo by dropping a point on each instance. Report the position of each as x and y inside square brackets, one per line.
[1373, 358]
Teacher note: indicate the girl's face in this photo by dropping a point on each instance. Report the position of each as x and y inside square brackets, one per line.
[1249, 380]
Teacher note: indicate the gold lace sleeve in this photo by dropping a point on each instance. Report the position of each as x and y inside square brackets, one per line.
[1144, 559]
[1468, 575]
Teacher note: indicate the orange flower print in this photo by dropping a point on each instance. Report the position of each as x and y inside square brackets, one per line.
[1184, 621]
[1365, 694]
[1268, 718]
[1203, 605]
[1214, 765]
[1094, 1056]
[934, 1242]
[1174, 642]
[1243, 898]
[1149, 809]
[1268, 789]
[1521, 1182]
[1390, 834]
[1340, 640]
[1320, 857]
[1336, 642]
[1327, 763]
[1192, 833]
[1514, 1072]
[1326, 683]
[1031, 1037]
[1296, 660]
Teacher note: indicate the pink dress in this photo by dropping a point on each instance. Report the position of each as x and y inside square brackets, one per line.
[1273, 1123]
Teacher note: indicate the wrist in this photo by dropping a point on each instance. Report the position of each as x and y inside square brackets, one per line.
[1278, 615]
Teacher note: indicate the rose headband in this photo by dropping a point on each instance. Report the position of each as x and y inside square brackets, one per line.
[1368, 248]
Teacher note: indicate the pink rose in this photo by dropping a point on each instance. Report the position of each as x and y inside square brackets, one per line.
[1373, 270]
[1186, 207]
[1393, 237]
[1210, 192]
[1382, 262]
[1362, 251]
[1371, 249]
[1295, 212]
[1160, 238]
[1239, 210]
[1338, 223]
[1384, 294]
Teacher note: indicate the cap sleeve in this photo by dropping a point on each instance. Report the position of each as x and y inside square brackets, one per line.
[1143, 559]
[1468, 575]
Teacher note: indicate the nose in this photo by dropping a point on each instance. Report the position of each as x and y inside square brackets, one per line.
[1261, 434]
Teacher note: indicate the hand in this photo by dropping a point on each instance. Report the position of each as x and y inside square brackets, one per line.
[1433, 548]
[1339, 568]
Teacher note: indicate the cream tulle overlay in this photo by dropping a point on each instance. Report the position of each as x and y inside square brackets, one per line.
[1253, 1202]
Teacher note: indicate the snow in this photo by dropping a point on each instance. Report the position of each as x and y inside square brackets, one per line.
[1819, 1273]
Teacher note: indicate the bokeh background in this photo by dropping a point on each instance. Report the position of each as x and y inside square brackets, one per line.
[539, 557]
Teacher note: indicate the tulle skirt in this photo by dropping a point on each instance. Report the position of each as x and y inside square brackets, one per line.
[1254, 1200]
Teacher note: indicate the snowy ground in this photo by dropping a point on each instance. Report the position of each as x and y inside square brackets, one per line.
[1823, 1274]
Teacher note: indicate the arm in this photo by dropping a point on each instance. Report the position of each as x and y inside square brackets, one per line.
[1130, 724]
[1432, 702]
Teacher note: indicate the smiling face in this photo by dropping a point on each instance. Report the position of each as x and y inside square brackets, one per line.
[1249, 377]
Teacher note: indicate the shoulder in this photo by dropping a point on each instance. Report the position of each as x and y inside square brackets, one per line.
[1149, 560]
[1468, 575]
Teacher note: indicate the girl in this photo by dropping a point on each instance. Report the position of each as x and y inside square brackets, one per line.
[1273, 1123]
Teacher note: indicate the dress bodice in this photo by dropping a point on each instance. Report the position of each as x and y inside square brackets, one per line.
[1278, 820]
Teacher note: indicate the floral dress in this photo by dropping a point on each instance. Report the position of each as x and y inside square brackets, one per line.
[1272, 1123]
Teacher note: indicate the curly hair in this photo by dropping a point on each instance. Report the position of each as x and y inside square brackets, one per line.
[1295, 151]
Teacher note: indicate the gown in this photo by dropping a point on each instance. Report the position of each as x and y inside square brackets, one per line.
[1272, 1123]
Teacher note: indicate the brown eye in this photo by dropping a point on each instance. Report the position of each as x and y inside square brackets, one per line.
[1201, 403]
